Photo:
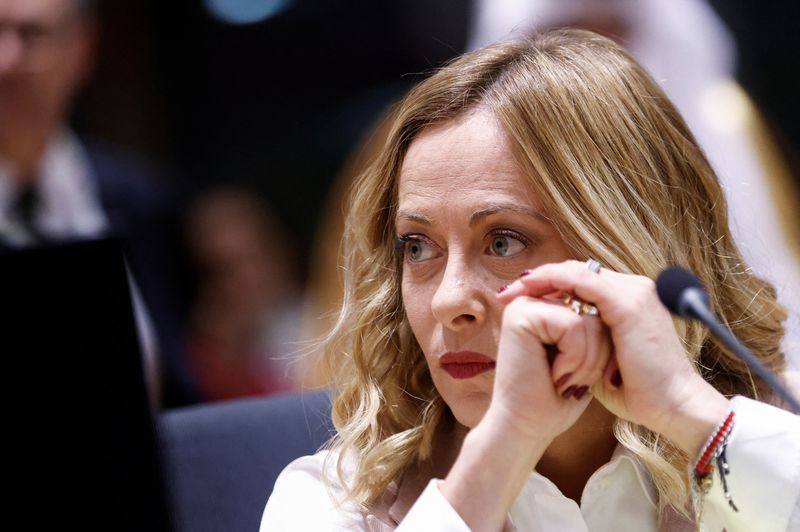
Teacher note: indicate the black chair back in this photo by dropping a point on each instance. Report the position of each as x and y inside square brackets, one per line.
[222, 459]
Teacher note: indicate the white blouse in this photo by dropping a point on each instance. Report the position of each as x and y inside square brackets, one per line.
[764, 482]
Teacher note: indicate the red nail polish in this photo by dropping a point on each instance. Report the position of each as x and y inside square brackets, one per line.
[502, 289]
[524, 273]
[616, 379]
[580, 392]
[568, 392]
[563, 380]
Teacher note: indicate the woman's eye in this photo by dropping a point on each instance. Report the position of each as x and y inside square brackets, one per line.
[505, 246]
[416, 249]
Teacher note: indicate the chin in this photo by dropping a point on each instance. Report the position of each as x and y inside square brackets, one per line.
[468, 411]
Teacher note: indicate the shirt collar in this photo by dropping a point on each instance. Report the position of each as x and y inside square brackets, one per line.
[620, 456]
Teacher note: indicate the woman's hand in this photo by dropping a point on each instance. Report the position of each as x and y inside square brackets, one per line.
[656, 385]
[547, 358]
[529, 406]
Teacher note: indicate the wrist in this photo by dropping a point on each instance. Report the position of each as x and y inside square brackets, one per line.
[689, 423]
[507, 431]
[514, 430]
[495, 460]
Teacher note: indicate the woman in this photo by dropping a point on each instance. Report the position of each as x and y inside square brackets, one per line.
[570, 400]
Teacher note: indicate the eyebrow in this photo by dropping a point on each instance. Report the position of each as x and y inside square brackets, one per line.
[477, 216]
[411, 216]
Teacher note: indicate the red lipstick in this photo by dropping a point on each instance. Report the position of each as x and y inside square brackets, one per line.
[465, 364]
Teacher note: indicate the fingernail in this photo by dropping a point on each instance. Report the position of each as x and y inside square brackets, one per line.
[502, 289]
[524, 273]
[568, 392]
[563, 380]
[616, 379]
[580, 392]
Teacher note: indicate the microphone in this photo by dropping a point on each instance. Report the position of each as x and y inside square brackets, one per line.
[684, 295]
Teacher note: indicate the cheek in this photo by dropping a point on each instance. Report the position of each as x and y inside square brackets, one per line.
[421, 321]
[417, 306]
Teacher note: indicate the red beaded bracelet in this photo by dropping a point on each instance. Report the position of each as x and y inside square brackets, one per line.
[705, 464]
[714, 450]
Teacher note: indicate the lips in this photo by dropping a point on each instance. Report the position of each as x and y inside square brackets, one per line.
[465, 364]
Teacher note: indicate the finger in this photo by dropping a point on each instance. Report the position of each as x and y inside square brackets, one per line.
[603, 350]
[612, 377]
[566, 331]
[552, 278]
[606, 387]
[609, 394]
[610, 291]
[593, 358]
[548, 323]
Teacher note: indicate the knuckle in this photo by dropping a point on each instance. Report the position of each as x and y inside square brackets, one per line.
[573, 321]
[518, 315]
[570, 359]
[641, 293]
[647, 284]
[513, 309]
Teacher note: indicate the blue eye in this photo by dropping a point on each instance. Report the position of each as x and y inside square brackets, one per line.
[416, 248]
[505, 246]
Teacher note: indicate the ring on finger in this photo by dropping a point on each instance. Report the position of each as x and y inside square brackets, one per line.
[578, 306]
[593, 265]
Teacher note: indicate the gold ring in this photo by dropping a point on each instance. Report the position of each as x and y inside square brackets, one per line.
[578, 306]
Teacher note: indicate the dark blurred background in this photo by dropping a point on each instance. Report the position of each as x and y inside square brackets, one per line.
[275, 105]
[253, 109]
[278, 104]
[768, 39]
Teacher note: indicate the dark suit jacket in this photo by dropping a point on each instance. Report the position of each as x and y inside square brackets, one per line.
[145, 212]
[143, 209]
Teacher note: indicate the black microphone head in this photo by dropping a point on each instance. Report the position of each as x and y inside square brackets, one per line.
[672, 285]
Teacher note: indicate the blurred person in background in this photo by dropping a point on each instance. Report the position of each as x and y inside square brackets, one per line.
[690, 52]
[57, 187]
[243, 323]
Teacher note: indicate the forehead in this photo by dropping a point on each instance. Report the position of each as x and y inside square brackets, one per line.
[466, 159]
[22, 11]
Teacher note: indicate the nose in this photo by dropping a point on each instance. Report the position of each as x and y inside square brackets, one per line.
[11, 50]
[460, 299]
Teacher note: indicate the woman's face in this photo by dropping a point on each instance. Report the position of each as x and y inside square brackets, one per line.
[468, 223]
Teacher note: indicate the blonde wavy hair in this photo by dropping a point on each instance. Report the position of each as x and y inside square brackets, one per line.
[622, 180]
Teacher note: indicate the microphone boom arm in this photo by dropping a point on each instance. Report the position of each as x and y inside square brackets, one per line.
[693, 304]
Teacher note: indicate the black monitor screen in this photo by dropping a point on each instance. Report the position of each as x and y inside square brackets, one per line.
[82, 446]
